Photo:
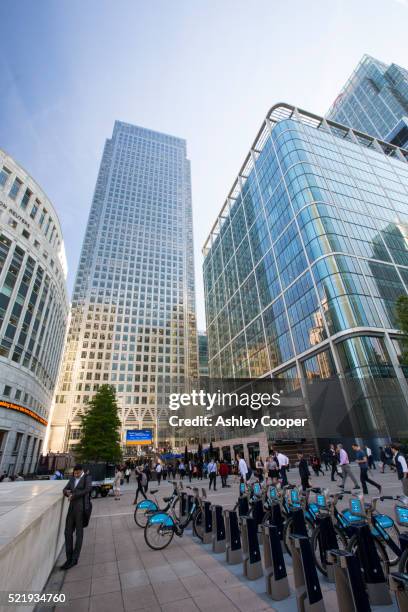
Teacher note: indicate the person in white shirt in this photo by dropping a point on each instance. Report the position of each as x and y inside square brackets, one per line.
[401, 465]
[212, 474]
[345, 467]
[242, 468]
[283, 462]
[370, 458]
[159, 469]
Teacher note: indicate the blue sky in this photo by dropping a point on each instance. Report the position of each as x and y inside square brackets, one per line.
[204, 70]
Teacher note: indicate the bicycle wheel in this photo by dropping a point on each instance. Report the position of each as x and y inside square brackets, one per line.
[198, 525]
[141, 516]
[319, 559]
[382, 553]
[143, 510]
[157, 535]
[403, 562]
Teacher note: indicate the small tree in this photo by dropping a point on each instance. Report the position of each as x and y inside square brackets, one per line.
[211, 450]
[402, 317]
[100, 427]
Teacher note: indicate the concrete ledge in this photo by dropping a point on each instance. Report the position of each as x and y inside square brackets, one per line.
[32, 521]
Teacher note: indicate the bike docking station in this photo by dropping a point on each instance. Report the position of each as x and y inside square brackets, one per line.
[350, 588]
[208, 523]
[276, 578]
[399, 586]
[233, 551]
[374, 578]
[327, 542]
[183, 505]
[190, 503]
[251, 554]
[376, 583]
[218, 529]
[309, 596]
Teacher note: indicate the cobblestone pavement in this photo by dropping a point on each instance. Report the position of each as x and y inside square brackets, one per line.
[117, 571]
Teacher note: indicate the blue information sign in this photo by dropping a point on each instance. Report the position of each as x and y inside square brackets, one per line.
[139, 436]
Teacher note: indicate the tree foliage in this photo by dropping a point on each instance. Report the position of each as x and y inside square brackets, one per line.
[100, 428]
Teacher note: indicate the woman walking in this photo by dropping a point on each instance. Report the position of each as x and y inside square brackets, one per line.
[116, 483]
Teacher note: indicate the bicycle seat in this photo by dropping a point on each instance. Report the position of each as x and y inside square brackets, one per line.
[153, 491]
[167, 499]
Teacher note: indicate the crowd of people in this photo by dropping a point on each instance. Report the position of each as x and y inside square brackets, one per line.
[274, 468]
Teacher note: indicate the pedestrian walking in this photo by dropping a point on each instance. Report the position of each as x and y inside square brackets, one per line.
[303, 471]
[401, 465]
[159, 469]
[273, 469]
[116, 482]
[283, 463]
[333, 461]
[182, 470]
[345, 467]
[361, 459]
[78, 491]
[316, 465]
[212, 474]
[127, 474]
[223, 471]
[141, 480]
[259, 465]
[370, 458]
[243, 470]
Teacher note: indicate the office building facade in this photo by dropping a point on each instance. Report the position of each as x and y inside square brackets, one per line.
[375, 100]
[305, 262]
[33, 315]
[133, 311]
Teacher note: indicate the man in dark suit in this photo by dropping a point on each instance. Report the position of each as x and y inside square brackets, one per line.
[78, 492]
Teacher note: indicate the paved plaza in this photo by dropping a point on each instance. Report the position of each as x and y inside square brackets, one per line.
[117, 571]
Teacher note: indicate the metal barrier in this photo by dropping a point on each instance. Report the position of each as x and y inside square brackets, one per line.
[276, 578]
[309, 596]
[218, 530]
[399, 586]
[251, 554]
[207, 535]
[350, 588]
[233, 553]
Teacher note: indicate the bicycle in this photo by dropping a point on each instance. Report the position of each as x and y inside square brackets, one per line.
[296, 501]
[401, 516]
[147, 507]
[162, 526]
[381, 526]
[327, 506]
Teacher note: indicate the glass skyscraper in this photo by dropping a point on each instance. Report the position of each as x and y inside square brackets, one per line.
[305, 262]
[133, 310]
[375, 101]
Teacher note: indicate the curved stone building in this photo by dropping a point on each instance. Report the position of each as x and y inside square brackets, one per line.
[33, 315]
